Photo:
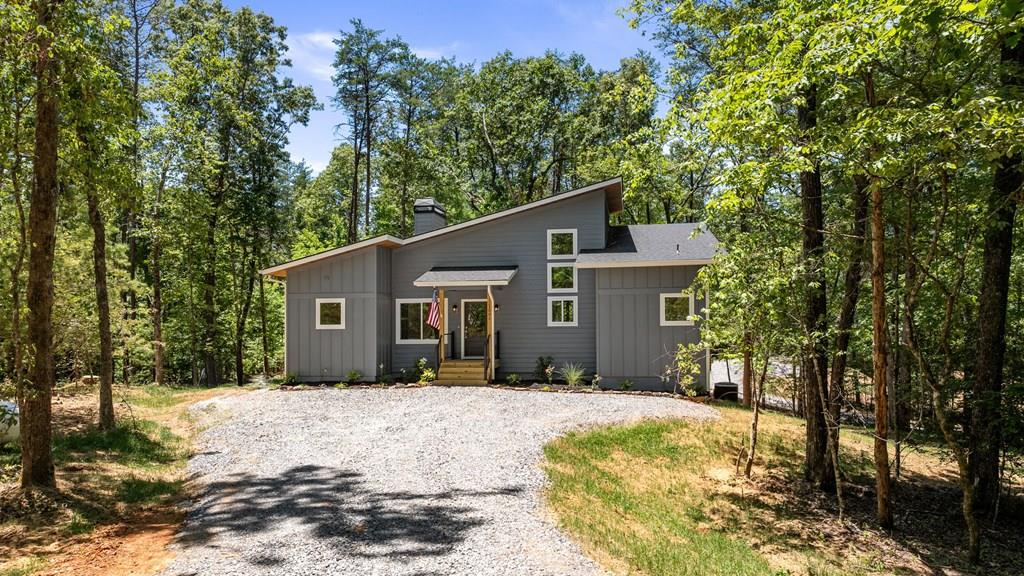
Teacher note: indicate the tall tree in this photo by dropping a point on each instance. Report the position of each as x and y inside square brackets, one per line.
[35, 395]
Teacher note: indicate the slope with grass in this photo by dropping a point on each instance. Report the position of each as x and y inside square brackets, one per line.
[666, 498]
[119, 492]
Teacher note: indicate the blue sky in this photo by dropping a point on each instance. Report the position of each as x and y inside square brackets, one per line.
[468, 31]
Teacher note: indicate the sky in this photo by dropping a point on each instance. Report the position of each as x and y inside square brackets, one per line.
[471, 32]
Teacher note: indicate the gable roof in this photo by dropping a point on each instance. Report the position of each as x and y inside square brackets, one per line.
[613, 194]
[652, 245]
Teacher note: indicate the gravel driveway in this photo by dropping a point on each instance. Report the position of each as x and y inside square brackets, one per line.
[373, 482]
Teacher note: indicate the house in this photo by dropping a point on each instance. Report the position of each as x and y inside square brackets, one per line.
[549, 278]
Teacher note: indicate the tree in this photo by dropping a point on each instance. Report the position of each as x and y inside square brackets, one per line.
[35, 394]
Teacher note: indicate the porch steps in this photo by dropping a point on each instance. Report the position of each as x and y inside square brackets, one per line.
[461, 373]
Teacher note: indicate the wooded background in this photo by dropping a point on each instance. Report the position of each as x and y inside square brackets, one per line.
[860, 162]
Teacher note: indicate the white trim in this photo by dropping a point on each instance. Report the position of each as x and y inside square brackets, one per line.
[285, 289]
[339, 326]
[398, 319]
[575, 312]
[643, 263]
[462, 326]
[575, 245]
[321, 255]
[661, 309]
[575, 278]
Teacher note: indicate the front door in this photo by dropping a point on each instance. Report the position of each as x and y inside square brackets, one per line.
[474, 328]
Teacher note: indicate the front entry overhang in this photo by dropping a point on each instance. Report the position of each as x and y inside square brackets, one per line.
[466, 276]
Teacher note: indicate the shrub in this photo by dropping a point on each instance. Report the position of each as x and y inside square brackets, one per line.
[541, 370]
[572, 373]
[513, 379]
[290, 379]
[341, 385]
[626, 384]
[427, 376]
[596, 382]
[421, 367]
[353, 376]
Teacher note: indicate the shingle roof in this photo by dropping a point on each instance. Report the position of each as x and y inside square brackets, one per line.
[467, 276]
[653, 245]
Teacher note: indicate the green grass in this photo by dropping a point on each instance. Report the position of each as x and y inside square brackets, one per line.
[133, 490]
[25, 567]
[662, 497]
[140, 444]
[658, 531]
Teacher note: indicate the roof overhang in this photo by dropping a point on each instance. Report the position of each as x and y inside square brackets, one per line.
[281, 270]
[466, 276]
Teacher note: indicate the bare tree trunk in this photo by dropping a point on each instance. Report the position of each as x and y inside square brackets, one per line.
[34, 397]
[754, 419]
[817, 468]
[263, 329]
[986, 415]
[99, 262]
[156, 255]
[748, 368]
[16, 352]
[879, 353]
[210, 305]
[250, 271]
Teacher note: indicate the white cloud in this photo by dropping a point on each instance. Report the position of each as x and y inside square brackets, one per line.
[435, 52]
[313, 53]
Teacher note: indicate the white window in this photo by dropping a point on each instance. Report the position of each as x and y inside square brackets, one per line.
[561, 277]
[562, 311]
[562, 244]
[411, 321]
[330, 313]
[677, 309]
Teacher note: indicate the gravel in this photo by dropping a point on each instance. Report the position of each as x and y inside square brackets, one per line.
[373, 481]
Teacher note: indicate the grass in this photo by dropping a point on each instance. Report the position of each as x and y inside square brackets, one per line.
[664, 498]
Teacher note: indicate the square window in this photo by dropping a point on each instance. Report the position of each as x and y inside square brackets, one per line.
[562, 243]
[677, 309]
[330, 313]
[562, 311]
[411, 320]
[561, 277]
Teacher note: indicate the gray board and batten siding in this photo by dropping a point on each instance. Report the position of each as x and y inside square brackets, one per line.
[520, 240]
[631, 342]
[328, 355]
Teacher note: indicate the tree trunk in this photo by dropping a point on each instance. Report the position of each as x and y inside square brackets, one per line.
[879, 352]
[986, 437]
[817, 467]
[34, 398]
[209, 306]
[16, 352]
[250, 270]
[263, 329]
[748, 368]
[156, 255]
[99, 264]
[754, 419]
[368, 126]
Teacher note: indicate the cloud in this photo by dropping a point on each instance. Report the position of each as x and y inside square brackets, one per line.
[312, 53]
[435, 52]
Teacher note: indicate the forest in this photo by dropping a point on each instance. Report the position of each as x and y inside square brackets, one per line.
[860, 162]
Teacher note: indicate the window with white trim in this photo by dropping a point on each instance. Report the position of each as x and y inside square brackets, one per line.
[561, 277]
[562, 311]
[677, 309]
[411, 321]
[562, 244]
[330, 313]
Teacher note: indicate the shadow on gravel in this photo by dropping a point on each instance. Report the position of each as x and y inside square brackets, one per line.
[337, 506]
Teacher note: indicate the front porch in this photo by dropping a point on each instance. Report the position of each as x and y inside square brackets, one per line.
[476, 360]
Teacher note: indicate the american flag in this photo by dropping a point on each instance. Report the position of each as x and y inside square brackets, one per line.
[434, 315]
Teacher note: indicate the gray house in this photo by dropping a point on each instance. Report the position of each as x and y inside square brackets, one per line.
[549, 278]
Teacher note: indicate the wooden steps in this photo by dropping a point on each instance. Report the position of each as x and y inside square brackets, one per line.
[461, 373]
